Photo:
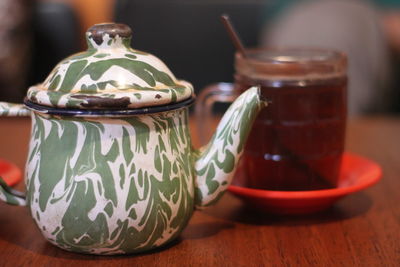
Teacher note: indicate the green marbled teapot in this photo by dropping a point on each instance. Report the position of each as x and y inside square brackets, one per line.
[111, 168]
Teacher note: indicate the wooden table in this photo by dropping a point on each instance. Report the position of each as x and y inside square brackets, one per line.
[360, 230]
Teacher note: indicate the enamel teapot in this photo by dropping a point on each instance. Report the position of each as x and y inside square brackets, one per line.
[111, 168]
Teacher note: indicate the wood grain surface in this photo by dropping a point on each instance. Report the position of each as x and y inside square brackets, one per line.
[360, 230]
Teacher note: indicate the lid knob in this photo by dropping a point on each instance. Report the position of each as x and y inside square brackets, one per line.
[108, 35]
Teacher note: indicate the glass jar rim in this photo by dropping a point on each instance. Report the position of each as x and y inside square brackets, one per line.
[291, 64]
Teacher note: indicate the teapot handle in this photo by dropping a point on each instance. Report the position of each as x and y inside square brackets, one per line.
[217, 92]
[11, 196]
[12, 109]
[7, 194]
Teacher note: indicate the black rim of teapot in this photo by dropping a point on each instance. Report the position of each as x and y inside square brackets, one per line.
[106, 112]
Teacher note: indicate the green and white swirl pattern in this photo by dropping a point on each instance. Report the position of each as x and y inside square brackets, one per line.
[12, 109]
[110, 75]
[218, 160]
[108, 186]
[130, 184]
[11, 196]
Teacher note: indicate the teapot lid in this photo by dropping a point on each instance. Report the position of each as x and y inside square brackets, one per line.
[110, 75]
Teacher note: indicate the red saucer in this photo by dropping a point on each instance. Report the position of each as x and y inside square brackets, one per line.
[10, 173]
[357, 173]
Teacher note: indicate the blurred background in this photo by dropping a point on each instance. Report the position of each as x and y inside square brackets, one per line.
[189, 37]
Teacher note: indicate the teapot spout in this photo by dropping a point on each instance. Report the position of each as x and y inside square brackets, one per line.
[216, 162]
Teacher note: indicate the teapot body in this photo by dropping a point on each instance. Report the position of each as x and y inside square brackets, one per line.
[111, 185]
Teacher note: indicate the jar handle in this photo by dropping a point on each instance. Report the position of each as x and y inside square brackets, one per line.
[12, 109]
[218, 92]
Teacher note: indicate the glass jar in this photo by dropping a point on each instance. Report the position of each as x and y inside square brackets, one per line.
[297, 141]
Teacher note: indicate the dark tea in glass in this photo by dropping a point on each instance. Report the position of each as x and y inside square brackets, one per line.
[297, 141]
